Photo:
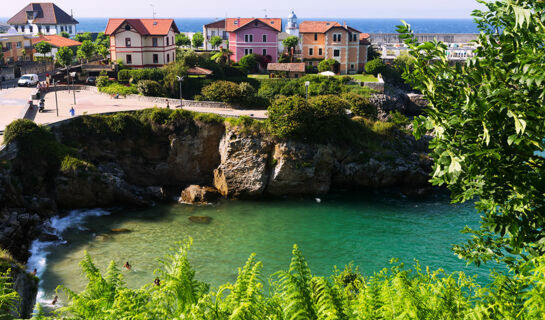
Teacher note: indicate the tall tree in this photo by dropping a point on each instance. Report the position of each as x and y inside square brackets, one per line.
[86, 50]
[290, 43]
[64, 56]
[83, 36]
[182, 40]
[197, 40]
[43, 48]
[487, 120]
[216, 41]
[103, 51]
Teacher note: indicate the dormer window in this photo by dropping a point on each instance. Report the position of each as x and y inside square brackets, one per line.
[127, 27]
[236, 22]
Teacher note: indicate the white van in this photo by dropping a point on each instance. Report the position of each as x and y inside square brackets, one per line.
[28, 80]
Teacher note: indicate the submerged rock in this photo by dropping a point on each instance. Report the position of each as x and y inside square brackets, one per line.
[200, 219]
[121, 230]
[199, 195]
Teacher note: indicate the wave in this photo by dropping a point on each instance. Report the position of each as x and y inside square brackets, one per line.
[56, 225]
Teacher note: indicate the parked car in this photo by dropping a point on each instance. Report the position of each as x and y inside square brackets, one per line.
[91, 80]
[28, 80]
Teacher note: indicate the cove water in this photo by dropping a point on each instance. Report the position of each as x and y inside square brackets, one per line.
[368, 230]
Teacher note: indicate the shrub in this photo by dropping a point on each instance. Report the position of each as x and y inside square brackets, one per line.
[399, 119]
[137, 75]
[360, 105]
[328, 65]
[116, 88]
[249, 63]
[103, 81]
[224, 91]
[375, 66]
[150, 88]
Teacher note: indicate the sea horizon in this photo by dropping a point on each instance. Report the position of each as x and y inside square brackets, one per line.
[366, 25]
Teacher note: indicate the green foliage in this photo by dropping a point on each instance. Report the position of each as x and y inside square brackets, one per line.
[81, 37]
[399, 119]
[103, 81]
[102, 40]
[65, 34]
[136, 75]
[86, 50]
[360, 105]
[150, 88]
[75, 165]
[216, 41]
[116, 88]
[486, 117]
[182, 40]
[249, 63]
[375, 66]
[103, 51]
[230, 92]
[197, 40]
[64, 56]
[188, 58]
[290, 42]
[43, 47]
[392, 293]
[328, 65]
[8, 297]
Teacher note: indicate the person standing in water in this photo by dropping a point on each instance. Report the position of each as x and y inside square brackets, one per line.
[127, 266]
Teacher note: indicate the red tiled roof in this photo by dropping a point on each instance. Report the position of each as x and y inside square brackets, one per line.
[46, 13]
[290, 67]
[146, 27]
[216, 24]
[233, 24]
[317, 26]
[56, 41]
[364, 38]
[198, 71]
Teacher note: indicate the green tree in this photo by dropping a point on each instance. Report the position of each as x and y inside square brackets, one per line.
[487, 117]
[43, 48]
[182, 40]
[223, 56]
[188, 58]
[65, 34]
[375, 66]
[86, 50]
[64, 56]
[197, 40]
[290, 43]
[216, 41]
[103, 51]
[83, 36]
[249, 63]
[328, 65]
[102, 40]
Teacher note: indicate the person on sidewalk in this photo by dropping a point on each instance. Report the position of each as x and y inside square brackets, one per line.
[72, 111]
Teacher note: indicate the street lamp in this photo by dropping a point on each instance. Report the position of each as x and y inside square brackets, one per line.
[307, 84]
[180, 79]
[73, 75]
[56, 101]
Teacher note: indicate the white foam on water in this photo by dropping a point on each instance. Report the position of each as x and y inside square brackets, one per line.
[39, 249]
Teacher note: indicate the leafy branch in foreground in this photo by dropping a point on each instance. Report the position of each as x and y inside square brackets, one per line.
[392, 293]
[487, 119]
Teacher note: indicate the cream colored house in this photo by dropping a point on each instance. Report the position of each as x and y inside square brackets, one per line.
[142, 43]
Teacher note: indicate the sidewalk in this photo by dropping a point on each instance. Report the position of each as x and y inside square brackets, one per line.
[12, 105]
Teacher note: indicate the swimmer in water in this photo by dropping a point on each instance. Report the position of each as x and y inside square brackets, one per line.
[127, 266]
[34, 272]
[54, 302]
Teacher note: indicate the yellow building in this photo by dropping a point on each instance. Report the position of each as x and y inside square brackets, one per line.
[15, 47]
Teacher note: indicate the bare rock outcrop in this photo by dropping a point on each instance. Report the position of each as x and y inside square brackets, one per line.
[195, 194]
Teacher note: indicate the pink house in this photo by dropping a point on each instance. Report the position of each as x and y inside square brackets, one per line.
[251, 35]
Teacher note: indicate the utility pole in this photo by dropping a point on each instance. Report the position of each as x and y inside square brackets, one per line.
[56, 100]
[180, 79]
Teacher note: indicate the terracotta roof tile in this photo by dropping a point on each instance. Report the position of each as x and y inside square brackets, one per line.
[56, 41]
[199, 71]
[216, 24]
[147, 27]
[317, 26]
[291, 67]
[233, 24]
[46, 13]
[364, 38]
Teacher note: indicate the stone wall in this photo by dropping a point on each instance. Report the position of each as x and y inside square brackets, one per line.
[377, 86]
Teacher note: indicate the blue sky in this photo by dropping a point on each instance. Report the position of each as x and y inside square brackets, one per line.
[251, 8]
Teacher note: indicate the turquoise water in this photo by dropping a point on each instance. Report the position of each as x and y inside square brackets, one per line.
[368, 230]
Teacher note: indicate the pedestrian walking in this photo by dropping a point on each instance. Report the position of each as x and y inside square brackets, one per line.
[72, 111]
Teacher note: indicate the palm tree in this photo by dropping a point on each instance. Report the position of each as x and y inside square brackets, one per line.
[223, 56]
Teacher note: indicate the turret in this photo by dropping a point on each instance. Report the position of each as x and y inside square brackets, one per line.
[292, 28]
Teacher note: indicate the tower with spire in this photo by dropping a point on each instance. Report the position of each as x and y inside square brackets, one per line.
[292, 28]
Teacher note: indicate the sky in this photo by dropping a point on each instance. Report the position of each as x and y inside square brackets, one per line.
[432, 9]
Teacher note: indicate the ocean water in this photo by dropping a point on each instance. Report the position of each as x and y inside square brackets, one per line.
[368, 230]
[363, 25]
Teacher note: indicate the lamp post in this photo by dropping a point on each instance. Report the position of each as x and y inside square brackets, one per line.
[180, 79]
[56, 101]
[307, 84]
[68, 78]
[73, 75]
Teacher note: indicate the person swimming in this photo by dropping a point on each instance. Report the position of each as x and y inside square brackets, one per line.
[54, 302]
[127, 266]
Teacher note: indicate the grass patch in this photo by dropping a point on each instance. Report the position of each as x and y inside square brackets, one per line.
[72, 164]
[362, 77]
[259, 76]
[246, 124]
[117, 88]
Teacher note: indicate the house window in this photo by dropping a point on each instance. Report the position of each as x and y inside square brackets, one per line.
[70, 29]
[224, 35]
[31, 28]
[168, 58]
[168, 43]
[336, 53]
[212, 33]
[8, 46]
[19, 45]
[127, 27]
[47, 29]
[310, 63]
[264, 38]
[315, 37]
[129, 59]
[127, 42]
[337, 37]
[355, 36]
[155, 58]
[248, 51]
[320, 51]
[265, 52]
[310, 51]
[352, 66]
[248, 38]
[39, 28]
[154, 42]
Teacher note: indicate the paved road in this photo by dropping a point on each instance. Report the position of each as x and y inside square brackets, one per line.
[13, 83]
[12, 105]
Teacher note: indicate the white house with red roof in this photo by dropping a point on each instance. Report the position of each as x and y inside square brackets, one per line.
[43, 18]
[142, 43]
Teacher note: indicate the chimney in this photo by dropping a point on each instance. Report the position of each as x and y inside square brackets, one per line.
[344, 24]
